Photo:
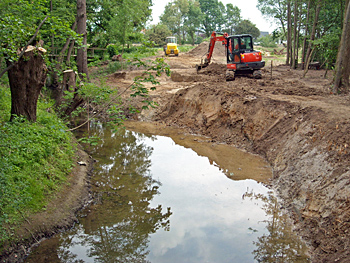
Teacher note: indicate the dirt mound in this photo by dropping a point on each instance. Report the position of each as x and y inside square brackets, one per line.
[202, 49]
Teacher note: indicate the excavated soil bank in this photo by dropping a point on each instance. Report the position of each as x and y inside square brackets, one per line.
[301, 129]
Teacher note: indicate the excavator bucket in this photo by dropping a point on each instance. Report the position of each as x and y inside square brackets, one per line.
[204, 63]
[200, 66]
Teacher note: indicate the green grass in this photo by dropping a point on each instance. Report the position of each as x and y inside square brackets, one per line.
[35, 161]
[186, 48]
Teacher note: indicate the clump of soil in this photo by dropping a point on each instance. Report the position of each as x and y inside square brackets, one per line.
[214, 69]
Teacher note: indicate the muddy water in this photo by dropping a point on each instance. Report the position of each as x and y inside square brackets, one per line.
[174, 198]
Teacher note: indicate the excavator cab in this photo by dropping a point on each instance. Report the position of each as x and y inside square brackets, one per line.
[241, 56]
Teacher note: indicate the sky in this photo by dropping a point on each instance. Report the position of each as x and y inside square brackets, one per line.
[248, 11]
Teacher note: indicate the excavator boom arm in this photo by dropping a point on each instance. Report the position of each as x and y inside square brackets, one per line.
[213, 39]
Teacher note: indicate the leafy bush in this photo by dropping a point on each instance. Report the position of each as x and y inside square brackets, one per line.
[112, 50]
[35, 161]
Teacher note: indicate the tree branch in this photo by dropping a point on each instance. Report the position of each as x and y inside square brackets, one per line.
[25, 48]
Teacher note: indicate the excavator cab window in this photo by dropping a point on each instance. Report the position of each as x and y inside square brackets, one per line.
[246, 43]
[233, 50]
[238, 45]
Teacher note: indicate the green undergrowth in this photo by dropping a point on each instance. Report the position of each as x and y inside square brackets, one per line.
[35, 161]
[185, 48]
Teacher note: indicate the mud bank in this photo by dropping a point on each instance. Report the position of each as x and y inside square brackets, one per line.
[301, 130]
[59, 215]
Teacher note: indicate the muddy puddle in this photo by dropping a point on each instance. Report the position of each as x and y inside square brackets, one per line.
[162, 196]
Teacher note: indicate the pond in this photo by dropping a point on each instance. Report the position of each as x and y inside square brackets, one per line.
[163, 196]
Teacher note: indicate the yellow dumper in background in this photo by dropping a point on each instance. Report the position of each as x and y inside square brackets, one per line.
[171, 47]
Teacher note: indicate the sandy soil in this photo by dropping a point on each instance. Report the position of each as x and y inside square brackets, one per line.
[301, 129]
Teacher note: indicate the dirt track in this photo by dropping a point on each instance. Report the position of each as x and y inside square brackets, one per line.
[296, 124]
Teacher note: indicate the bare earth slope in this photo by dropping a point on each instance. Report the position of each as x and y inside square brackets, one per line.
[295, 123]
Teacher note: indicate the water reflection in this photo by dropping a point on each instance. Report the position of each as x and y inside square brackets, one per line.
[119, 231]
[137, 179]
[280, 244]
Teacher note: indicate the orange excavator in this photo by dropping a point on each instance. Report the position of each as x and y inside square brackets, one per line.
[241, 57]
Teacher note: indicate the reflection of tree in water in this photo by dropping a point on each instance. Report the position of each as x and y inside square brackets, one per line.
[118, 226]
[280, 244]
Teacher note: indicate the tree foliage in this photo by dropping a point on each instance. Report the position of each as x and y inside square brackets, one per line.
[232, 18]
[158, 33]
[213, 17]
[116, 21]
[193, 21]
[247, 27]
[175, 15]
[187, 18]
[20, 19]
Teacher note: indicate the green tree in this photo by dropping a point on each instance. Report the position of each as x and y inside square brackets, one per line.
[307, 24]
[194, 19]
[129, 17]
[175, 15]
[23, 24]
[247, 27]
[114, 21]
[232, 17]
[275, 9]
[267, 41]
[213, 16]
[158, 33]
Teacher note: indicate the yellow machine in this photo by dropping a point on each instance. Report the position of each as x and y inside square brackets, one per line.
[171, 46]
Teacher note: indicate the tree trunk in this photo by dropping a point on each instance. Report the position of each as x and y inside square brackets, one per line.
[289, 33]
[69, 54]
[295, 38]
[313, 34]
[81, 29]
[306, 33]
[81, 56]
[56, 86]
[27, 77]
[342, 66]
